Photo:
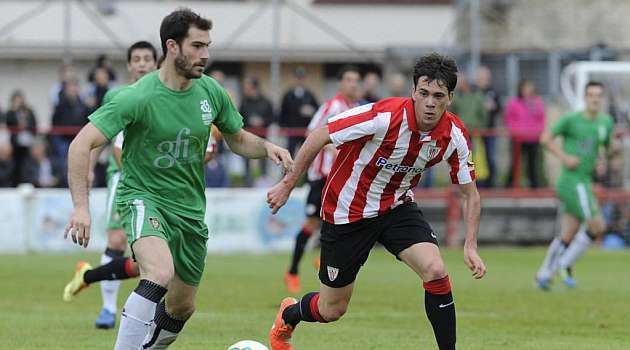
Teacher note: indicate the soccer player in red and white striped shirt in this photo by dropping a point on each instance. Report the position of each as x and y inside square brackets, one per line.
[383, 149]
[349, 78]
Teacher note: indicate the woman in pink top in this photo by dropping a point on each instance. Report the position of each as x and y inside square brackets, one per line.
[525, 120]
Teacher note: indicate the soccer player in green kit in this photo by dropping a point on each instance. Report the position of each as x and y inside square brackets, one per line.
[141, 59]
[584, 134]
[166, 118]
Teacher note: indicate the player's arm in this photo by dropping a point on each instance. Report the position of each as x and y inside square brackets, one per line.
[314, 143]
[88, 139]
[472, 211]
[548, 140]
[248, 145]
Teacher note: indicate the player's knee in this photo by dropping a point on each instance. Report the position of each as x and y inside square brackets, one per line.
[116, 240]
[433, 270]
[333, 312]
[161, 276]
[181, 310]
[597, 227]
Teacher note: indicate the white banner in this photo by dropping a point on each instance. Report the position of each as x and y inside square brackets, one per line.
[238, 220]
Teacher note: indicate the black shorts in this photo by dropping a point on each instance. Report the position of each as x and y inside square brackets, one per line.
[345, 248]
[314, 199]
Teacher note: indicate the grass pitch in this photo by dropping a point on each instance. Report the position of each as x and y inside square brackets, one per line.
[239, 295]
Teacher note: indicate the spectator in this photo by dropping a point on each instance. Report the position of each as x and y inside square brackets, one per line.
[468, 104]
[398, 85]
[102, 62]
[66, 72]
[23, 124]
[371, 87]
[37, 168]
[6, 161]
[298, 106]
[70, 114]
[98, 89]
[492, 104]
[257, 112]
[525, 120]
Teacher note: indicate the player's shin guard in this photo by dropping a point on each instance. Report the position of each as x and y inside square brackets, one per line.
[576, 249]
[137, 314]
[300, 244]
[164, 329]
[550, 264]
[440, 308]
[305, 310]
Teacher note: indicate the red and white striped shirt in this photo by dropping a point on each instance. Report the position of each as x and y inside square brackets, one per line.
[320, 167]
[382, 155]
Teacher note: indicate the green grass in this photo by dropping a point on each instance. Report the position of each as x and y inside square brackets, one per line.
[240, 293]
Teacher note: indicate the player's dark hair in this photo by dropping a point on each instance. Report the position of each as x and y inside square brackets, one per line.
[347, 68]
[436, 67]
[593, 83]
[141, 45]
[175, 26]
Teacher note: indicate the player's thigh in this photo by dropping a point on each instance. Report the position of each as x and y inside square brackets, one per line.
[188, 240]
[570, 226]
[406, 227]
[154, 259]
[425, 260]
[344, 249]
[148, 236]
[180, 298]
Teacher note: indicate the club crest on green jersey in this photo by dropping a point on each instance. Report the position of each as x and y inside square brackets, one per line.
[206, 112]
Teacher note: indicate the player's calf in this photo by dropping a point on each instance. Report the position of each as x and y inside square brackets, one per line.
[439, 306]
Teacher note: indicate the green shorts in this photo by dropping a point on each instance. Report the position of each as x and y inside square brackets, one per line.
[186, 237]
[112, 214]
[577, 197]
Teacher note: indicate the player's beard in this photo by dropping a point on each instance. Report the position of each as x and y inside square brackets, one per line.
[185, 68]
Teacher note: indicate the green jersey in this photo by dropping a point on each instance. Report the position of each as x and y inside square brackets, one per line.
[113, 166]
[583, 137]
[166, 133]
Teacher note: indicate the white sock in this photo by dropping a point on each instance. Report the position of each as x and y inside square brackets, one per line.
[109, 289]
[550, 264]
[576, 249]
[137, 315]
[163, 331]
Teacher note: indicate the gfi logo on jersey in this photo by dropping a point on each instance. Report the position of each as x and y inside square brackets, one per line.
[206, 112]
[397, 168]
[178, 150]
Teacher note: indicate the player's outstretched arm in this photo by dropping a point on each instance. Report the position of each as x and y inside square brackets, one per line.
[78, 168]
[314, 143]
[548, 141]
[248, 145]
[472, 211]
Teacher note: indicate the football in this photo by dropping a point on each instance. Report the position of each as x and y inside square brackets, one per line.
[247, 345]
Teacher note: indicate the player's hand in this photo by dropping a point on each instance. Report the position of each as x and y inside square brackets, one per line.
[279, 156]
[571, 162]
[474, 262]
[79, 227]
[278, 195]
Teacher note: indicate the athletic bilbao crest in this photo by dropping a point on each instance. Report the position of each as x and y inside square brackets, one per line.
[333, 272]
[432, 152]
[154, 223]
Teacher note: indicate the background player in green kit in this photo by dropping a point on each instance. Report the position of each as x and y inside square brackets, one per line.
[584, 134]
[141, 59]
[166, 118]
